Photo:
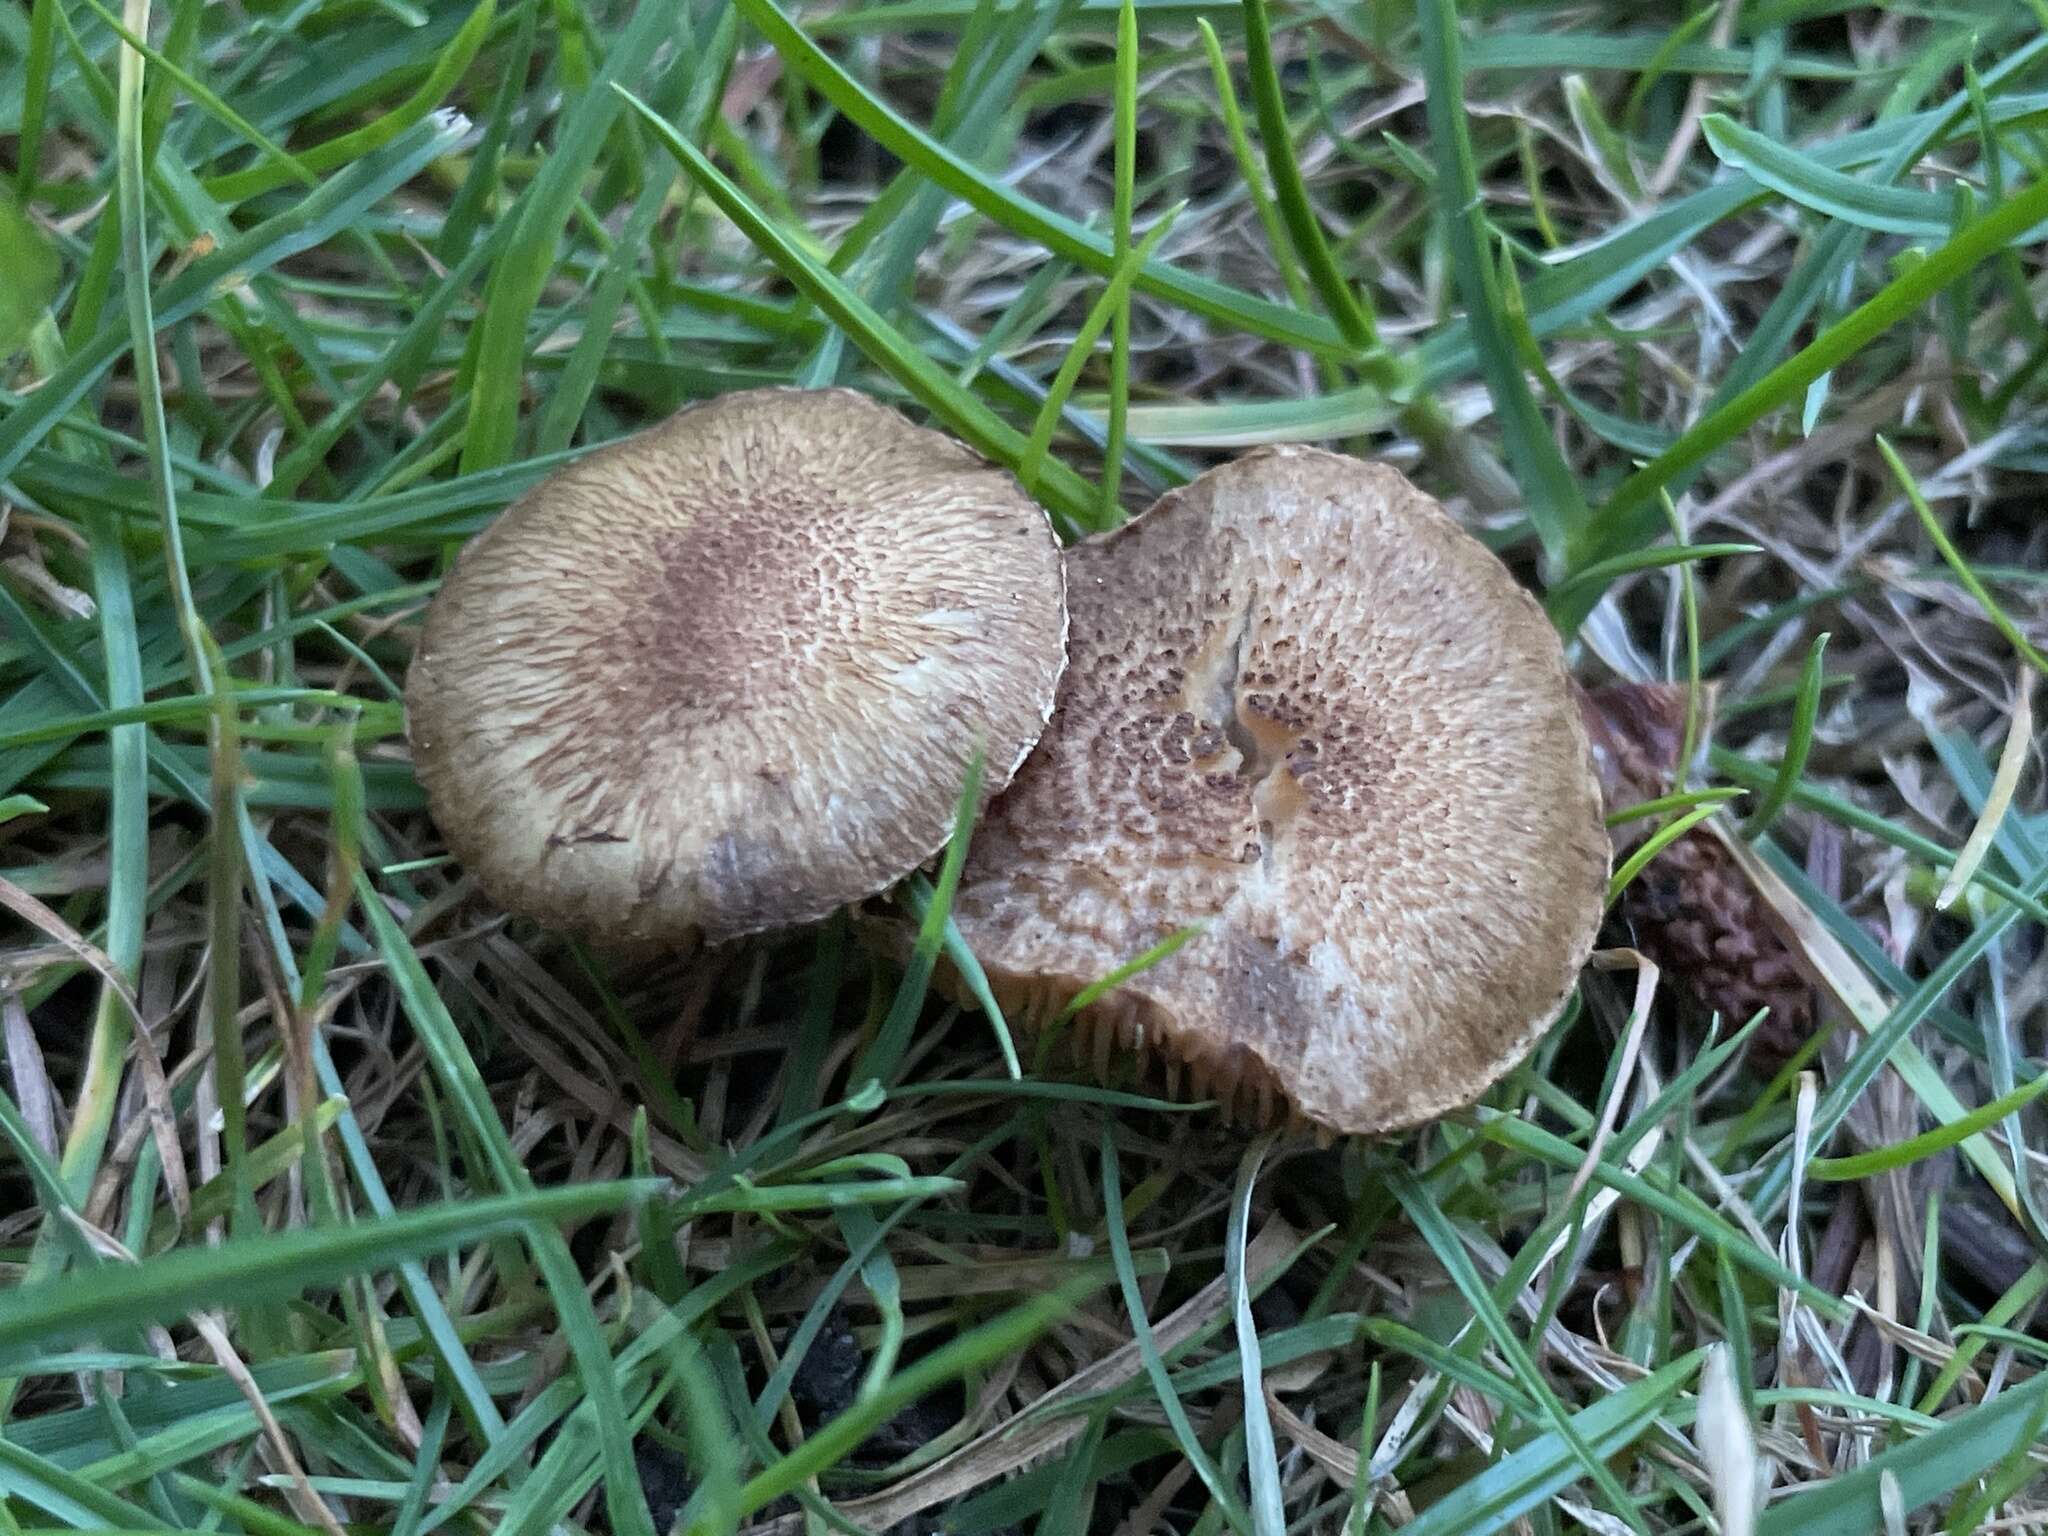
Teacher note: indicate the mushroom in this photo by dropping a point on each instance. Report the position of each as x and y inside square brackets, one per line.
[1310, 715]
[727, 675]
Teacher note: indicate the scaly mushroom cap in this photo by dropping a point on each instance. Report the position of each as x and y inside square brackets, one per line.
[727, 675]
[1306, 710]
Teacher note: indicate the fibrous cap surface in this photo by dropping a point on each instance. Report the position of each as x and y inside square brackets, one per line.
[1309, 712]
[727, 675]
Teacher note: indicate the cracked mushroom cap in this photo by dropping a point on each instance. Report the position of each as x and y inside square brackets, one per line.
[727, 675]
[1309, 712]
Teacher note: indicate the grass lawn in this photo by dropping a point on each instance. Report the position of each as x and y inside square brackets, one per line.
[331, 1200]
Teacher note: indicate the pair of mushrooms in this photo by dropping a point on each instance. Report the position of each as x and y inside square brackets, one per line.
[727, 676]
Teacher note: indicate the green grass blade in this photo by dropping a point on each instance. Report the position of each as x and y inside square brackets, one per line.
[1554, 502]
[961, 411]
[1602, 574]
[1353, 318]
[1925, 1468]
[1449, 1249]
[458, 1074]
[1993, 610]
[1262, 1458]
[992, 1341]
[36, 78]
[449, 67]
[1868, 205]
[29, 276]
[317, 218]
[275, 1266]
[1125, 127]
[523, 271]
[1912, 1150]
[1798, 742]
[1060, 236]
[1655, 844]
[878, 1063]
[77, 1501]
[1533, 1474]
[1226, 1498]
[1834, 346]
[1115, 300]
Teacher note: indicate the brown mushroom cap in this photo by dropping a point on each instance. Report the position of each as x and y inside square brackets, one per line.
[1306, 710]
[728, 674]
